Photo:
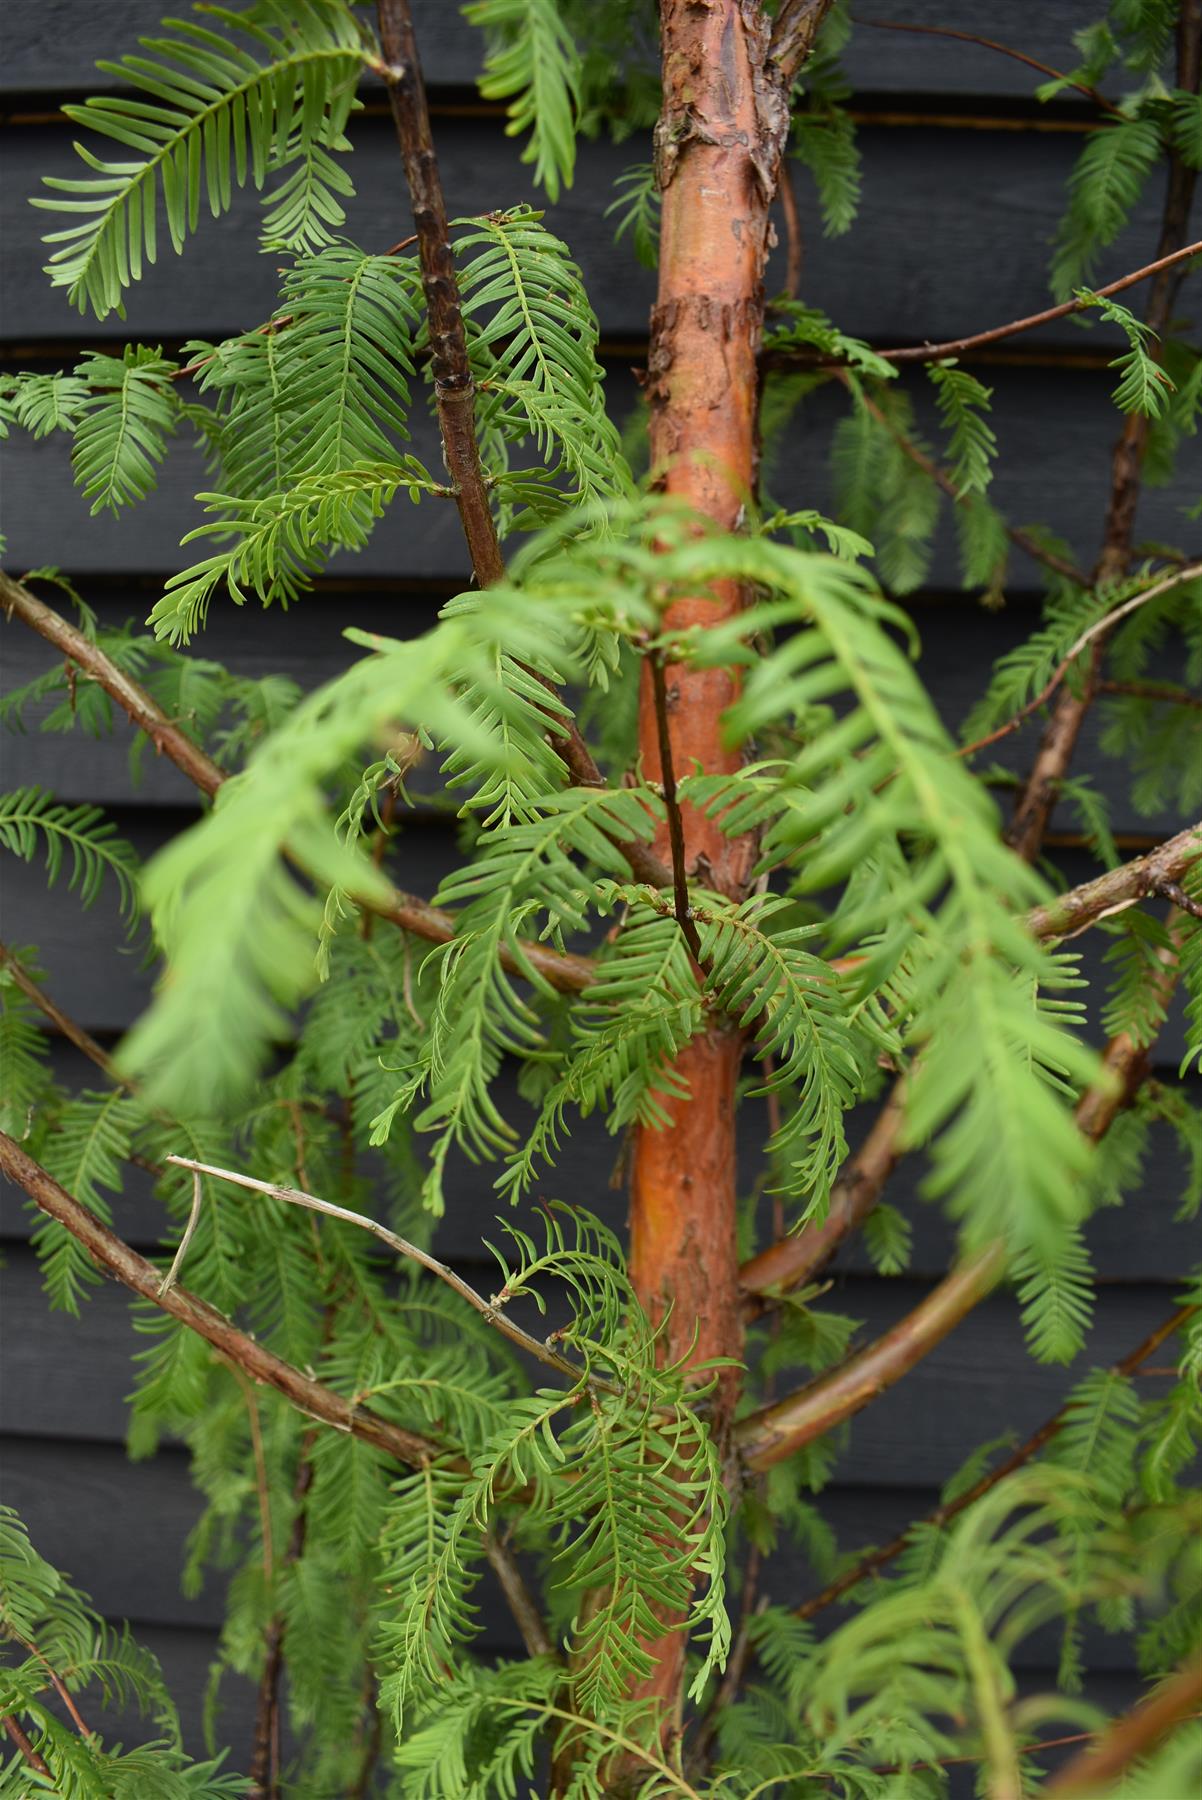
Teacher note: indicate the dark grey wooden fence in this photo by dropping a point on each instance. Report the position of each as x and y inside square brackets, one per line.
[964, 180]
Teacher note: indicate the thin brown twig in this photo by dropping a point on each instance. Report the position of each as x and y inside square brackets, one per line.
[1036, 1749]
[563, 970]
[794, 240]
[1024, 541]
[521, 1602]
[928, 352]
[1100, 628]
[166, 736]
[797, 1258]
[775, 1431]
[262, 1486]
[491, 1311]
[266, 1759]
[970, 37]
[680, 882]
[59, 1685]
[1041, 790]
[1150, 690]
[1173, 891]
[74, 1033]
[454, 385]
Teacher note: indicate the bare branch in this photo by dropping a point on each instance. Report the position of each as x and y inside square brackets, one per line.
[1100, 628]
[1083, 906]
[970, 37]
[111, 1254]
[75, 1034]
[521, 1602]
[567, 972]
[167, 737]
[775, 1432]
[490, 1311]
[454, 386]
[796, 1259]
[36, 1761]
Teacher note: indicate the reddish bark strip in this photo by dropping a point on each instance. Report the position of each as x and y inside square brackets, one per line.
[718, 149]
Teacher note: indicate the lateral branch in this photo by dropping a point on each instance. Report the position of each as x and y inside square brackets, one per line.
[116, 1258]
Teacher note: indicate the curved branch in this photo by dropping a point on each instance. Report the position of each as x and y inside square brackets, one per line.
[1133, 1735]
[1137, 880]
[112, 1254]
[970, 37]
[488, 1311]
[775, 1432]
[166, 736]
[798, 1258]
[1099, 628]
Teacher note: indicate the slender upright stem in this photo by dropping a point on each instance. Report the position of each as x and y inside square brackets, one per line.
[680, 880]
[454, 387]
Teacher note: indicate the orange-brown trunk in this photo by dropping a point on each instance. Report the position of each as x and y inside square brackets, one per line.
[718, 147]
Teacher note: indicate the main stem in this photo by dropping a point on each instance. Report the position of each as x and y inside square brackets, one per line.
[718, 147]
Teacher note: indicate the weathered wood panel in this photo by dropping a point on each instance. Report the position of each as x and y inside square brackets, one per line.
[1123, 1251]
[107, 991]
[51, 46]
[959, 643]
[66, 1377]
[953, 235]
[1055, 429]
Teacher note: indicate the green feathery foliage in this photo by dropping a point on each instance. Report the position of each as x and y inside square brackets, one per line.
[299, 1033]
[125, 422]
[78, 836]
[272, 90]
[50, 1634]
[533, 62]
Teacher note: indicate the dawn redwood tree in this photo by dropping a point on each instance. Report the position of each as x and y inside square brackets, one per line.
[716, 844]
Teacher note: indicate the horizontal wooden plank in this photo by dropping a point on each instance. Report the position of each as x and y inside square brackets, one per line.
[69, 1495]
[1155, 1252]
[66, 1377]
[51, 46]
[1055, 430]
[102, 979]
[903, 274]
[960, 642]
